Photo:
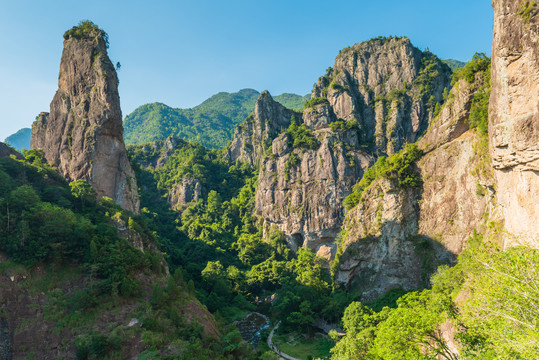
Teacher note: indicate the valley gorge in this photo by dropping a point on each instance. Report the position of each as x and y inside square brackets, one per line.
[393, 217]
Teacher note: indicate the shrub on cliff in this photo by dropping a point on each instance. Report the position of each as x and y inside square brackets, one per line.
[86, 30]
[398, 167]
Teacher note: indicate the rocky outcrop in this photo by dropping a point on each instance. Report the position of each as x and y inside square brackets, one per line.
[253, 137]
[452, 121]
[157, 153]
[514, 116]
[378, 96]
[395, 237]
[6, 151]
[377, 251]
[301, 190]
[458, 184]
[39, 130]
[82, 135]
[188, 192]
[458, 190]
[389, 87]
[28, 327]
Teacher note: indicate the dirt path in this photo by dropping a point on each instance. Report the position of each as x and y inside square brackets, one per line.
[274, 348]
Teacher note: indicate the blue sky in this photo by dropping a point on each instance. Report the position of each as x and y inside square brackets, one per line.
[181, 52]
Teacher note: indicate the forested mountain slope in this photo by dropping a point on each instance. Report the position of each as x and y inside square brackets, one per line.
[210, 124]
[21, 139]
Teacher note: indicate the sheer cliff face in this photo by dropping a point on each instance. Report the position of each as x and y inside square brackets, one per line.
[458, 185]
[396, 237]
[255, 135]
[379, 96]
[301, 190]
[388, 86]
[83, 134]
[514, 116]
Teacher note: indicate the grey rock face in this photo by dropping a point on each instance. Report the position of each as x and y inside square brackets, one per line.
[184, 194]
[455, 193]
[389, 87]
[378, 96]
[319, 117]
[380, 235]
[83, 134]
[514, 117]
[377, 252]
[453, 119]
[254, 136]
[301, 190]
[39, 130]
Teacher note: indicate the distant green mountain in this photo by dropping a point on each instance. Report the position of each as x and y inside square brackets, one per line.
[20, 140]
[454, 64]
[292, 101]
[211, 123]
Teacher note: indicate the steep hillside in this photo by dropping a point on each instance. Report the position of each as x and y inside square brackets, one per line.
[477, 198]
[84, 279]
[292, 101]
[253, 137]
[454, 64]
[20, 140]
[7, 151]
[210, 124]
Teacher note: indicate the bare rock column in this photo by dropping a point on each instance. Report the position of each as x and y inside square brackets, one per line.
[83, 133]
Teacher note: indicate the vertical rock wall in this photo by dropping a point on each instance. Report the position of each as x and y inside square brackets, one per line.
[514, 116]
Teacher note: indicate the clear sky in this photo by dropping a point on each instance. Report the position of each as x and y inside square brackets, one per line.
[181, 52]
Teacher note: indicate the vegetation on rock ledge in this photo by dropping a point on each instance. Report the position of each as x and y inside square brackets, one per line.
[398, 167]
[86, 30]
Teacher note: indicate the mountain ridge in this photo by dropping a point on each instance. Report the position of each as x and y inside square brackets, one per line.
[210, 123]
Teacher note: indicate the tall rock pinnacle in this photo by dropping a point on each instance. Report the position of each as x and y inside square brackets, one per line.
[83, 134]
[255, 135]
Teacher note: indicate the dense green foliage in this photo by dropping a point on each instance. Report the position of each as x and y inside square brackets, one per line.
[44, 221]
[315, 101]
[302, 136]
[477, 73]
[497, 320]
[236, 261]
[86, 30]
[398, 168]
[211, 123]
[479, 64]
[20, 140]
[431, 68]
[292, 101]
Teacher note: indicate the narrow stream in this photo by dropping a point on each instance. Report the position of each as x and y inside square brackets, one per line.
[251, 326]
